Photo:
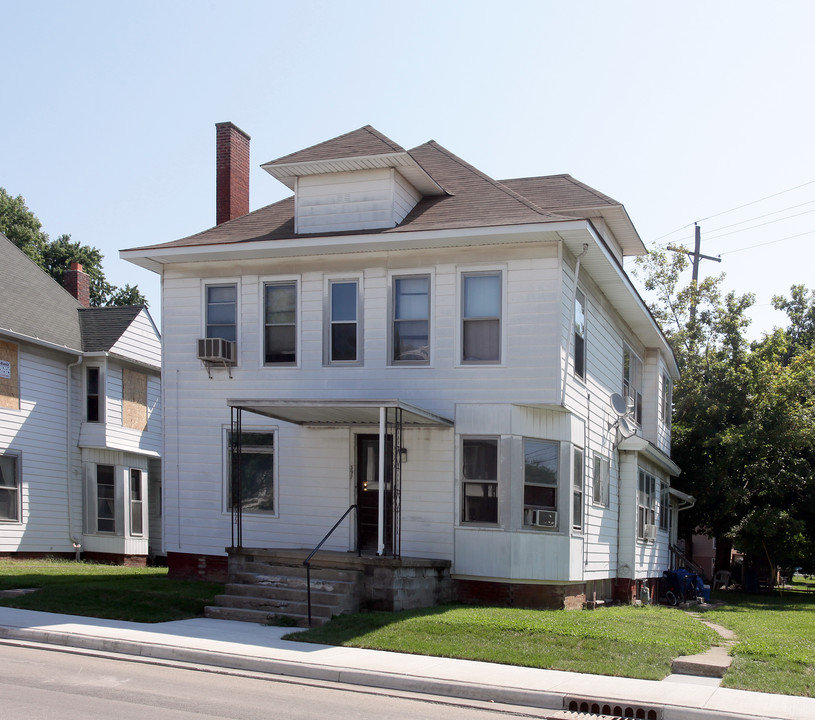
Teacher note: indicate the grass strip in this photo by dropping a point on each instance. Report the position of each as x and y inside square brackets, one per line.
[637, 642]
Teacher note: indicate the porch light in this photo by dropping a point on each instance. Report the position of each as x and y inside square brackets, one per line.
[403, 455]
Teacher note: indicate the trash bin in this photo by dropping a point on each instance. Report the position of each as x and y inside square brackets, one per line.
[706, 592]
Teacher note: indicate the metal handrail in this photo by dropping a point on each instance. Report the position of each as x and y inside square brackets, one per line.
[307, 561]
[685, 559]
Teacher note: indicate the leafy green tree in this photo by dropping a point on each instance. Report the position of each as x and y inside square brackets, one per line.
[24, 229]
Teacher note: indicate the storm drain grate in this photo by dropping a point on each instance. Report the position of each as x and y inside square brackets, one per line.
[611, 709]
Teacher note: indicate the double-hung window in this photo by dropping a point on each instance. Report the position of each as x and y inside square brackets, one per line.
[577, 490]
[136, 497]
[665, 508]
[541, 462]
[481, 317]
[9, 488]
[580, 335]
[93, 394]
[105, 499]
[600, 481]
[343, 333]
[411, 320]
[255, 493]
[280, 323]
[632, 381]
[222, 311]
[665, 400]
[479, 480]
[646, 505]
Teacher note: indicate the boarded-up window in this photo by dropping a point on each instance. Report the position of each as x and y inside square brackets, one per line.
[9, 380]
[134, 399]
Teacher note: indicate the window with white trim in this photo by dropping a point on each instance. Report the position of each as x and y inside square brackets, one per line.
[9, 488]
[343, 321]
[280, 323]
[577, 490]
[222, 311]
[410, 340]
[256, 491]
[646, 504]
[632, 381]
[136, 499]
[600, 481]
[105, 499]
[479, 480]
[541, 471]
[580, 335]
[665, 400]
[665, 508]
[94, 395]
[481, 317]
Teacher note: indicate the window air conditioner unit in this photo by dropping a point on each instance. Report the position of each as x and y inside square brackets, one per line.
[650, 532]
[543, 518]
[216, 350]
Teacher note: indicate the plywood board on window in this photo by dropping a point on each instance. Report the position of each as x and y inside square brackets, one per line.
[9, 377]
[134, 399]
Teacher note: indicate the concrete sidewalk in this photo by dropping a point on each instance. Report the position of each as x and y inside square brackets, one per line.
[259, 648]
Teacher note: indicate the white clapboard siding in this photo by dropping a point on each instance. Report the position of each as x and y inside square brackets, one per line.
[140, 342]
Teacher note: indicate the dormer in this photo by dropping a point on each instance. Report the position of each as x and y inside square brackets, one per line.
[358, 181]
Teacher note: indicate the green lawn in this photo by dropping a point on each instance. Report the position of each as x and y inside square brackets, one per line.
[105, 591]
[626, 641]
[776, 641]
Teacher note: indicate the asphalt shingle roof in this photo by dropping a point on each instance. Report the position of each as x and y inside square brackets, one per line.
[357, 143]
[102, 327]
[32, 303]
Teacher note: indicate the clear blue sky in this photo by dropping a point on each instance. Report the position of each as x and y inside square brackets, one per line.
[680, 111]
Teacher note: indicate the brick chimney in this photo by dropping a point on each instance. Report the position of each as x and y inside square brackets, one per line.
[78, 283]
[231, 172]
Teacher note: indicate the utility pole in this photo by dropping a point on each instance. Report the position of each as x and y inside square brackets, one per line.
[695, 257]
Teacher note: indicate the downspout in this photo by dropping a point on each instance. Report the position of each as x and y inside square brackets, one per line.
[69, 479]
[571, 325]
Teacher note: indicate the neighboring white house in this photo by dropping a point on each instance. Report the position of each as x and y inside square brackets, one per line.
[80, 419]
[403, 305]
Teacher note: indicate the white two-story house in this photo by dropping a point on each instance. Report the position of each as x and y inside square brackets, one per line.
[474, 343]
[80, 419]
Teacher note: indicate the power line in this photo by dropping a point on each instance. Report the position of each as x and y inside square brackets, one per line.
[769, 242]
[752, 227]
[759, 217]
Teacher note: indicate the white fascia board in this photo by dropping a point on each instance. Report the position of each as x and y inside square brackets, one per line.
[342, 244]
[640, 445]
[41, 343]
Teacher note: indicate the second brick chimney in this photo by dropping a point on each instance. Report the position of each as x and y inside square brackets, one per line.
[78, 283]
[231, 172]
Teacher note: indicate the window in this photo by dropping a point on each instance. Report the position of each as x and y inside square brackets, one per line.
[580, 335]
[481, 318]
[134, 399]
[256, 491]
[646, 505]
[479, 484]
[280, 323]
[665, 400]
[136, 502]
[343, 331]
[577, 491]
[411, 320]
[540, 482]
[10, 488]
[93, 394]
[632, 381]
[222, 311]
[665, 508]
[105, 499]
[601, 481]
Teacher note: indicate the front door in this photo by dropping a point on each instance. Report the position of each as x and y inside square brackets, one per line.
[367, 482]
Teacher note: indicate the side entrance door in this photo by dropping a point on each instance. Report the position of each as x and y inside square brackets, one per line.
[367, 492]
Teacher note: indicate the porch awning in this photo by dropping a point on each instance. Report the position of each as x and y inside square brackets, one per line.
[637, 444]
[685, 501]
[320, 413]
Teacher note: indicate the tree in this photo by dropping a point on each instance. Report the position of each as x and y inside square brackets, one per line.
[24, 229]
[744, 423]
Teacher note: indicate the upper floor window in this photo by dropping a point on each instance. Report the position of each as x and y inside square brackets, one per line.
[540, 483]
[600, 481]
[665, 399]
[93, 394]
[481, 317]
[222, 311]
[632, 381]
[646, 506]
[411, 320]
[10, 488]
[580, 335]
[134, 399]
[280, 323]
[479, 480]
[343, 334]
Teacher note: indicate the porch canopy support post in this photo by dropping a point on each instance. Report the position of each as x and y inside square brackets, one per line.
[380, 540]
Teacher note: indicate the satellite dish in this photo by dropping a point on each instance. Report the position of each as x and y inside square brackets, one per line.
[618, 404]
[627, 427]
